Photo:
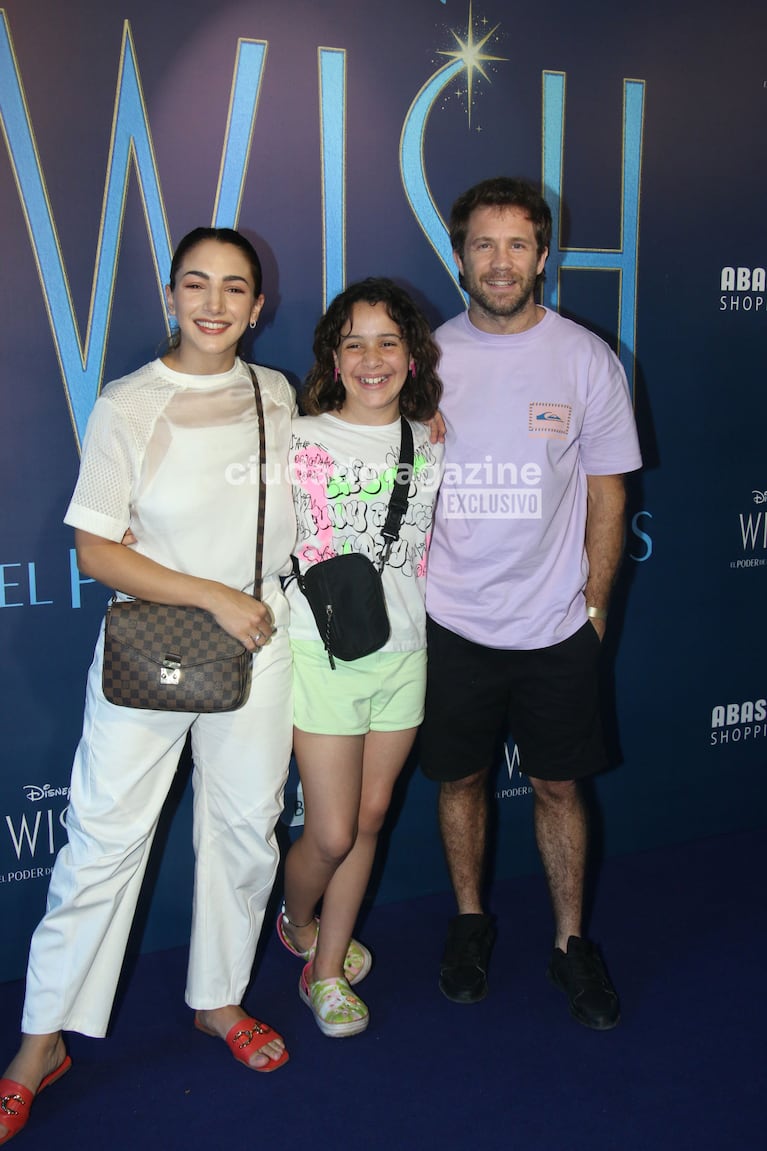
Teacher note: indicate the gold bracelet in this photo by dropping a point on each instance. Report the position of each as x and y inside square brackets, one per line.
[596, 613]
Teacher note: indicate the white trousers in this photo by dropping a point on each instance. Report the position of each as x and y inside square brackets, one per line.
[122, 772]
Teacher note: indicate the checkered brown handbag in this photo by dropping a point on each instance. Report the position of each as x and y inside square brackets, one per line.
[166, 657]
[171, 658]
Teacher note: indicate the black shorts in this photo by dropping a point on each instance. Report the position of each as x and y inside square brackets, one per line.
[548, 699]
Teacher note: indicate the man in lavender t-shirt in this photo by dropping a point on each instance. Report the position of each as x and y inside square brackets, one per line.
[527, 540]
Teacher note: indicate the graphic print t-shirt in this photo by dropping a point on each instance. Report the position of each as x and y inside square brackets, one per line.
[343, 475]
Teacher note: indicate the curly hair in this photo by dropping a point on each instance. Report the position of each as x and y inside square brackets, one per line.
[420, 396]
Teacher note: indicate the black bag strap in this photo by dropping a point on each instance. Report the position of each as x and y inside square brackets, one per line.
[399, 495]
[258, 580]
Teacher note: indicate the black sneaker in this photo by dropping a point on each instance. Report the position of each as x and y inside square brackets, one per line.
[581, 974]
[463, 972]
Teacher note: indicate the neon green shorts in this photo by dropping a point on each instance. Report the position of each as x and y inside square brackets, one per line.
[380, 692]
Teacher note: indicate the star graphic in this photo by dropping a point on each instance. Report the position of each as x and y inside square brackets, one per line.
[470, 53]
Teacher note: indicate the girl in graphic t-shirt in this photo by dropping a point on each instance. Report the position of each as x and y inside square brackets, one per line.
[354, 724]
[157, 459]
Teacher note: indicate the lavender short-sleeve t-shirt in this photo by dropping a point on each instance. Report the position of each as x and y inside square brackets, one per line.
[529, 417]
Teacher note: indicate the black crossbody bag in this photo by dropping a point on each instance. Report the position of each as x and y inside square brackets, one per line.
[346, 592]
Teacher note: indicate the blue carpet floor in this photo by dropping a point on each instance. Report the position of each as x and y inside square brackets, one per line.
[684, 931]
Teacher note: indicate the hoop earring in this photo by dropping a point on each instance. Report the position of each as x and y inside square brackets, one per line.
[252, 324]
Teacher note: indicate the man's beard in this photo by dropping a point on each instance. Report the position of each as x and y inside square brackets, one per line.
[494, 306]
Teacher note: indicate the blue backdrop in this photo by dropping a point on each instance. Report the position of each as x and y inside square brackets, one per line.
[337, 136]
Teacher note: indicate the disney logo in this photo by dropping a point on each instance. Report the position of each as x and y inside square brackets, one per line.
[759, 497]
[34, 793]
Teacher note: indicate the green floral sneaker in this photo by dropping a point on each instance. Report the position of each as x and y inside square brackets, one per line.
[335, 1007]
[358, 959]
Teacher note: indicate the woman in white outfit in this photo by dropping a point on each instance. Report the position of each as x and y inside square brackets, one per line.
[169, 455]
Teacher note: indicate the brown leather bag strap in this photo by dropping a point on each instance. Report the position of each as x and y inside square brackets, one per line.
[258, 581]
